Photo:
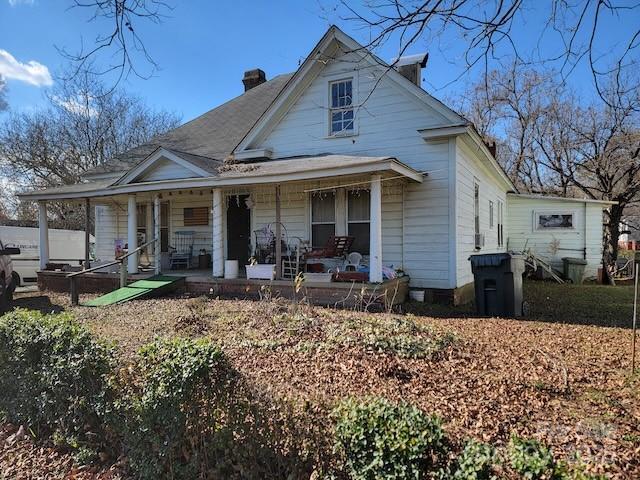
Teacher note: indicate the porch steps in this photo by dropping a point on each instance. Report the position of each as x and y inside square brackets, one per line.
[157, 285]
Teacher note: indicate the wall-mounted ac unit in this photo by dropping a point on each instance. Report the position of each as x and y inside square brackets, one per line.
[479, 238]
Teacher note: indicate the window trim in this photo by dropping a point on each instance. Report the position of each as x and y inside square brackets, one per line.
[491, 215]
[312, 223]
[538, 228]
[476, 214]
[500, 223]
[354, 100]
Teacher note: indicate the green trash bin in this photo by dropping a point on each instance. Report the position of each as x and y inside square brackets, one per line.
[574, 269]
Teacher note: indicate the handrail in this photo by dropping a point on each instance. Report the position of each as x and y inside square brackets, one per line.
[123, 270]
[115, 262]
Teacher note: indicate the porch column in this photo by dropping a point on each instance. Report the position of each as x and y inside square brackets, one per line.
[217, 253]
[132, 234]
[87, 233]
[157, 249]
[375, 232]
[278, 235]
[43, 230]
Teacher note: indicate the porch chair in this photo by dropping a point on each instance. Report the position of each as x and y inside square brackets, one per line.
[182, 250]
[352, 262]
[336, 246]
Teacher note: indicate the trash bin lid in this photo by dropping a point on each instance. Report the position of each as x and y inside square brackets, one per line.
[574, 261]
[489, 259]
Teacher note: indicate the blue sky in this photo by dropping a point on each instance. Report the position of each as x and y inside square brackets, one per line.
[204, 47]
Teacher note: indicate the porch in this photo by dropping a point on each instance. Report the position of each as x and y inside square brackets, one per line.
[327, 218]
[334, 294]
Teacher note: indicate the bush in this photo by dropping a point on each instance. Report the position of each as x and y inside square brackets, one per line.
[474, 462]
[168, 409]
[530, 458]
[381, 440]
[54, 378]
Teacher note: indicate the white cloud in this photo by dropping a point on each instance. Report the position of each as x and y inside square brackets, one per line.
[80, 106]
[31, 72]
[14, 3]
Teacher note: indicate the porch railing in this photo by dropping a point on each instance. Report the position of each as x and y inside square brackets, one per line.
[73, 286]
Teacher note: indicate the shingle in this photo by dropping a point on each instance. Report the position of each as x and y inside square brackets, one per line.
[212, 135]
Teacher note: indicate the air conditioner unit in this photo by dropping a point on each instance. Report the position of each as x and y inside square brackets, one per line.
[479, 238]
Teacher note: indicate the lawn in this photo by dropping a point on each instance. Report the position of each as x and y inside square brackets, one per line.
[558, 380]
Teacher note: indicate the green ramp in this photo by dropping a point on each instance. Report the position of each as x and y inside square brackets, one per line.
[149, 286]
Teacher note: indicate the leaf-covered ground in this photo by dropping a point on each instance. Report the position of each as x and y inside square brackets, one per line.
[566, 384]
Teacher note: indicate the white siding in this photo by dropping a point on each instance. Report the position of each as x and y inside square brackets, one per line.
[111, 224]
[553, 245]
[468, 171]
[165, 169]
[387, 124]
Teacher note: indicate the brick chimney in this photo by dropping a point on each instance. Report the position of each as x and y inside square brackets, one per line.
[253, 78]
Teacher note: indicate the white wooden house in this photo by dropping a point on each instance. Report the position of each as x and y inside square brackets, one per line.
[344, 146]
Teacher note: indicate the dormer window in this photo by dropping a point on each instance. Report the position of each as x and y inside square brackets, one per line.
[341, 114]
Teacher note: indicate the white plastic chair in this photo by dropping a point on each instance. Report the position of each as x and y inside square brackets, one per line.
[352, 262]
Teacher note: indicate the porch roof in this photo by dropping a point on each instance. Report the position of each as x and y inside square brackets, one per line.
[243, 174]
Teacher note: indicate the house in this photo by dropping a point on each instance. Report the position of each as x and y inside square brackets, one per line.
[346, 146]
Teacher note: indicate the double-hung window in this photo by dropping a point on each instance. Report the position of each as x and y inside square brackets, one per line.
[341, 113]
[476, 215]
[323, 218]
[500, 224]
[358, 220]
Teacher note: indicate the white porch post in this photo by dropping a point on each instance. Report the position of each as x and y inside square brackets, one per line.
[375, 232]
[132, 234]
[43, 230]
[217, 254]
[157, 249]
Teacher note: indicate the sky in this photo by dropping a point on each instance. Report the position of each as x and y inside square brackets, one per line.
[204, 46]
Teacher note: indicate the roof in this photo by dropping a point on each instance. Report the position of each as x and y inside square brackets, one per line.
[212, 135]
[537, 196]
[258, 173]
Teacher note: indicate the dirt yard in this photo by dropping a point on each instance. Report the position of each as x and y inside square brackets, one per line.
[564, 383]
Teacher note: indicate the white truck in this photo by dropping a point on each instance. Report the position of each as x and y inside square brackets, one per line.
[7, 276]
[65, 246]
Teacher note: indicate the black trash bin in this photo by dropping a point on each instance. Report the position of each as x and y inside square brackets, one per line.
[498, 283]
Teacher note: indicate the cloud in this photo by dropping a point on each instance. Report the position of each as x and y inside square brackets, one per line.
[14, 3]
[78, 106]
[31, 72]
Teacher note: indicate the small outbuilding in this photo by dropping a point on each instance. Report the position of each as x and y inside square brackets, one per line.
[554, 228]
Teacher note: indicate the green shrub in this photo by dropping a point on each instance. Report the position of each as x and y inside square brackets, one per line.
[169, 411]
[474, 462]
[382, 440]
[530, 458]
[54, 377]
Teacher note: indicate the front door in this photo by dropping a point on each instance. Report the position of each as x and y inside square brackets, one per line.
[238, 229]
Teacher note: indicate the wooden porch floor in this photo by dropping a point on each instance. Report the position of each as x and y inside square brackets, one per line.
[200, 282]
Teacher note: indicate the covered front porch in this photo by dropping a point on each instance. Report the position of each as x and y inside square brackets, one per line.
[336, 225]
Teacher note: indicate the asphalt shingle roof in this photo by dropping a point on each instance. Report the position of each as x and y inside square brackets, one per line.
[212, 135]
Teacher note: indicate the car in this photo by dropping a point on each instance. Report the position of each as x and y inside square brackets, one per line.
[7, 278]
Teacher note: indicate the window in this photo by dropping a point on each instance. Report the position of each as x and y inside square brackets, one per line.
[341, 114]
[196, 216]
[164, 227]
[358, 212]
[490, 214]
[500, 224]
[141, 217]
[476, 215]
[556, 220]
[323, 218]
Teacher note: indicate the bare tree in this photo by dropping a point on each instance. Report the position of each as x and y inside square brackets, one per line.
[121, 40]
[84, 125]
[486, 30]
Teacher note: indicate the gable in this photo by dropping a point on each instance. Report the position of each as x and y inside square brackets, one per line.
[165, 169]
[164, 164]
[339, 55]
[384, 113]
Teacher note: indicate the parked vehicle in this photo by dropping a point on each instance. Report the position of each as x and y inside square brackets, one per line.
[65, 246]
[7, 278]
